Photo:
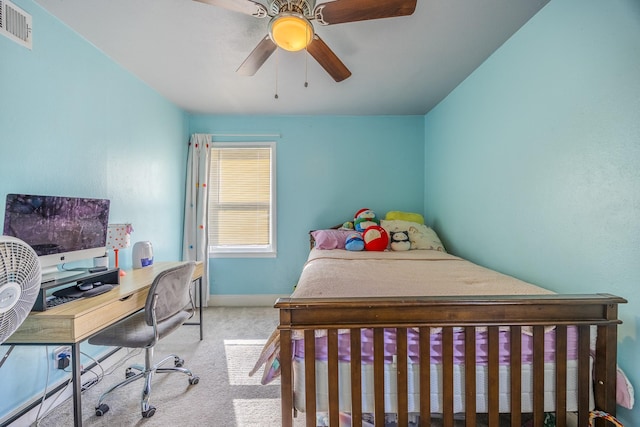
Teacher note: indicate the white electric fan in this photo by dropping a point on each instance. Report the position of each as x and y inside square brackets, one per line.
[20, 278]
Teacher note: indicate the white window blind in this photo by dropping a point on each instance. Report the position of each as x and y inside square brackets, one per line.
[241, 198]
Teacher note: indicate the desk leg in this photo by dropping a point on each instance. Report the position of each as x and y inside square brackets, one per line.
[200, 308]
[76, 376]
[200, 305]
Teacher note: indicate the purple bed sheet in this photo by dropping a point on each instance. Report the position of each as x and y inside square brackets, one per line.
[344, 346]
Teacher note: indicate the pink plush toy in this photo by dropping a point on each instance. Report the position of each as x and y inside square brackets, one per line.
[375, 238]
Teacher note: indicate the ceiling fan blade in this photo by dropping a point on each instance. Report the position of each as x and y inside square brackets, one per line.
[247, 7]
[341, 11]
[257, 57]
[327, 59]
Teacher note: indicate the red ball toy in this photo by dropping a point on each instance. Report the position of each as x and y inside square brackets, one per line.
[375, 238]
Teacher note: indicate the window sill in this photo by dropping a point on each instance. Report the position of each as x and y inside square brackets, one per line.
[243, 254]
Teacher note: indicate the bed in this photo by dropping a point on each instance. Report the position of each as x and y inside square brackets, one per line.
[422, 337]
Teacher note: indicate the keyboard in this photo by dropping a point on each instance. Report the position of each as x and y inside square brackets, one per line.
[72, 293]
[55, 301]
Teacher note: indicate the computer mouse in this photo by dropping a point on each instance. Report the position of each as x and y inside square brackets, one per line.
[84, 286]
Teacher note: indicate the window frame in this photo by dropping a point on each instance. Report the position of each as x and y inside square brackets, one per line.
[246, 251]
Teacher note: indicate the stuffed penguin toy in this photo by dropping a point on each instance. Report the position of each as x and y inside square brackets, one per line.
[354, 242]
[399, 240]
[364, 219]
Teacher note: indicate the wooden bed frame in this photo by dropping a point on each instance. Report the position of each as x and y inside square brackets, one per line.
[308, 315]
[540, 311]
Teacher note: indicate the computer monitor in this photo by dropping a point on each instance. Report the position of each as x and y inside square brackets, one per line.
[59, 229]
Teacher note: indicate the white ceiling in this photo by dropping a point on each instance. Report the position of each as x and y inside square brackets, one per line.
[189, 52]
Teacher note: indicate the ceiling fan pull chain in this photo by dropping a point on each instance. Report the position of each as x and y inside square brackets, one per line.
[277, 56]
[306, 79]
[306, 67]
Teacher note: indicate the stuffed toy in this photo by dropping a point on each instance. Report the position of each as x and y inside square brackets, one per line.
[400, 240]
[347, 225]
[354, 242]
[375, 238]
[365, 218]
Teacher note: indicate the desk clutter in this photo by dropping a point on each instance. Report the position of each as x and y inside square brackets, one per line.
[86, 285]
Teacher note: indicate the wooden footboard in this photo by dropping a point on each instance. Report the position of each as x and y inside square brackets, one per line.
[537, 313]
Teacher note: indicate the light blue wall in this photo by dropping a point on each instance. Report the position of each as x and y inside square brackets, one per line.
[533, 163]
[75, 123]
[328, 167]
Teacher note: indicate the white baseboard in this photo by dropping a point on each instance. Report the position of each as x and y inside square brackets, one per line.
[243, 300]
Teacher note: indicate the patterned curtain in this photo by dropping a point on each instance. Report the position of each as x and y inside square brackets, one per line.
[195, 243]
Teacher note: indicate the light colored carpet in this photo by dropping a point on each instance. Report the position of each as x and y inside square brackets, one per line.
[225, 395]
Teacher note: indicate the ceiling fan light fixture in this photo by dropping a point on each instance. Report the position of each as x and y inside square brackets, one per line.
[291, 31]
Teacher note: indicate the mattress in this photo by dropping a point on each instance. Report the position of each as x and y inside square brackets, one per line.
[340, 273]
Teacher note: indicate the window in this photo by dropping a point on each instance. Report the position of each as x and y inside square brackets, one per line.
[242, 200]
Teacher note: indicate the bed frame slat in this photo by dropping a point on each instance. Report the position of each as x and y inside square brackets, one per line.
[403, 400]
[561, 375]
[425, 376]
[538, 379]
[378, 376]
[494, 385]
[356, 377]
[584, 337]
[334, 395]
[515, 374]
[470, 375]
[447, 376]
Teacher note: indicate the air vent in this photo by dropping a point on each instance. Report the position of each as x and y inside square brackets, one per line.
[15, 23]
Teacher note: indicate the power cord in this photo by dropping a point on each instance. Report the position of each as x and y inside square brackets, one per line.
[86, 385]
[99, 377]
[44, 393]
[90, 383]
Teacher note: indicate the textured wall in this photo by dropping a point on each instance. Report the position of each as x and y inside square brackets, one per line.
[531, 164]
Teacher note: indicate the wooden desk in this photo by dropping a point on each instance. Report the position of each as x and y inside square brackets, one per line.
[76, 321]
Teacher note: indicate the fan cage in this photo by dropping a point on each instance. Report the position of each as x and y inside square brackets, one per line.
[18, 264]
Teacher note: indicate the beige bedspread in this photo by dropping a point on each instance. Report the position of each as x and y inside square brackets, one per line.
[340, 273]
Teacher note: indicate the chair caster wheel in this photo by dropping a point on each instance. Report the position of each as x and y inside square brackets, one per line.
[178, 363]
[129, 373]
[102, 409]
[194, 380]
[149, 412]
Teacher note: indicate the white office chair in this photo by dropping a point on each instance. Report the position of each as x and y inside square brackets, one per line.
[168, 306]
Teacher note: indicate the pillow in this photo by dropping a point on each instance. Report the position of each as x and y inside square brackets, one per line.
[405, 216]
[330, 239]
[421, 236]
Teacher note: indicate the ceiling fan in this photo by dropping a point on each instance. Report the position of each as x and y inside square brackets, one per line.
[291, 29]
